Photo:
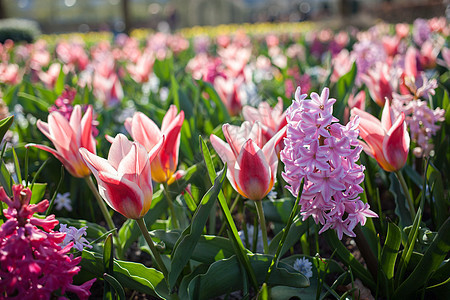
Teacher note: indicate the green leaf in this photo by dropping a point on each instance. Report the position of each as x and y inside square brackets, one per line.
[429, 263]
[217, 113]
[209, 248]
[278, 210]
[344, 88]
[298, 228]
[116, 285]
[59, 85]
[5, 179]
[224, 277]
[408, 248]
[5, 124]
[108, 265]
[439, 204]
[190, 236]
[233, 233]
[38, 192]
[132, 275]
[163, 69]
[400, 202]
[389, 256]
[129, 232]
[36, 100]
[349, 259]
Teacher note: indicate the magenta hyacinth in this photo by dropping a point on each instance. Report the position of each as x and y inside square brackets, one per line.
[324, 154]
[32, 264]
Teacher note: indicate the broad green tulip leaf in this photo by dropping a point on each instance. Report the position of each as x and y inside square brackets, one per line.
[439, 204]
[344, 254]
[298, 228]
[115, 284]
[429, 263]
[163, 69]
[389, 254]
[129, 232]
[441, 274]
[344, 88]
[5, 124]
[36, 100]
[209, 248]
[326, 268]
[132, 275]
[212, 283]
[233, 233]
[278, 210]
[93, 230]
[401, 210]
[186, 243]
[37, 192]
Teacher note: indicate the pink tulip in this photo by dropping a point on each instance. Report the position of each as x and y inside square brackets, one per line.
[271, 119]
[386, 141]
[147, 133]
[67, 137]
[230, 93]
[251, 167]
[124, 179]
[380, 82]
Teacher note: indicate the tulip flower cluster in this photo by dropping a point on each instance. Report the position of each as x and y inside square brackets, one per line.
[32, 264]
[252, 165]
[324, 154]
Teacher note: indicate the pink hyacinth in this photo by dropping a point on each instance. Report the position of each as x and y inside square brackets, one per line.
[324, 154]
[32, 264]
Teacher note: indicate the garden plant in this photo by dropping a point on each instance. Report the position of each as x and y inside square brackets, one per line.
[253, 162]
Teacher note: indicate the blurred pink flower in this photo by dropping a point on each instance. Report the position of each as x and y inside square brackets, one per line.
[230, 93]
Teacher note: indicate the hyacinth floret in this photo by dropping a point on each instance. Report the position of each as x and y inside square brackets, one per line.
[32, 264]
[324, 154]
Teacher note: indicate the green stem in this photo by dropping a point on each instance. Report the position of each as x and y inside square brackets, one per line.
[106, 215]
[173, 216]
[402, 181]
[285, 233]
[158, 260]
[262, 223]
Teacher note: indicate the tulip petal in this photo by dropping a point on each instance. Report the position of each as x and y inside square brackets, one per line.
[60, 130]
[396, 144]
[227, 156]
[269, 148]
[169, 152]
[119, 148]
[121, 194]
[156, 149]
[87, 139]
[144, 131]
[250, 113]
[252, 172]
[387, 117]
[95, 163]
[169, 117]
[74, 123]
[61, 158]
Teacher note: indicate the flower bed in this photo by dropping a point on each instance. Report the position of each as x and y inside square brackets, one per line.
[227, 162]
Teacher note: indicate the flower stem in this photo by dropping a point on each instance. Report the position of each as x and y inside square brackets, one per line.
[402, 181]
[173, 216]
[158, 260]
[105, 213]
[262, 223]
[285, 233]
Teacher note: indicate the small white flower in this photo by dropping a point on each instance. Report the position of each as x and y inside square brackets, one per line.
[304, 266]
[259, 244]
[272, 195]
[75, 235]
[63, 201]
